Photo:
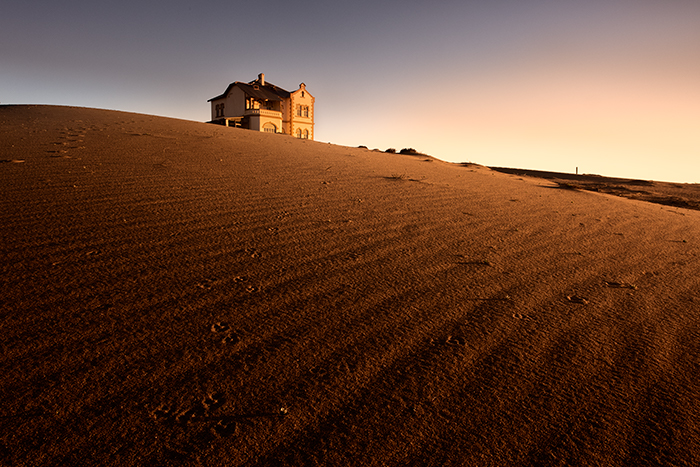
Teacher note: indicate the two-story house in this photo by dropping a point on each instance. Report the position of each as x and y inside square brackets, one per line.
[262, 106]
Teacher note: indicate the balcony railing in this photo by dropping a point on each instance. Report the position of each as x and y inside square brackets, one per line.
[264, 113]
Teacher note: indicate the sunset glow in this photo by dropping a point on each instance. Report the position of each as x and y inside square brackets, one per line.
[610, 87]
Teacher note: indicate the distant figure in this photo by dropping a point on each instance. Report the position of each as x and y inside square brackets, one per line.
[262, 106]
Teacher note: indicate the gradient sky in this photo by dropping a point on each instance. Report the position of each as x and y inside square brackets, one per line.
[609, 86]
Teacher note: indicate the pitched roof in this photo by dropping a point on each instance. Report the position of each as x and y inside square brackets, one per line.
[268, 92]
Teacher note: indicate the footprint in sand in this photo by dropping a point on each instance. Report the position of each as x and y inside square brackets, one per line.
[205, 284]
[163, 413]
[319, 372]
[190, 415]
[213, 401]
[231, 338]
[227, 426]
[456, 341]
[219, 327]
[252, 252]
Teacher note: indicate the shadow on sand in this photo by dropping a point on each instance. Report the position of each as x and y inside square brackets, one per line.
[678, 195]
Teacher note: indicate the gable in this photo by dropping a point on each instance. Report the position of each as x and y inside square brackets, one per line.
[302, 94]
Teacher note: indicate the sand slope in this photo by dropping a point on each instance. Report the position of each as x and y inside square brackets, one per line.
[177, 293]
[682, 195]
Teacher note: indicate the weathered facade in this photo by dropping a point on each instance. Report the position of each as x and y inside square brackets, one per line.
[262, 106]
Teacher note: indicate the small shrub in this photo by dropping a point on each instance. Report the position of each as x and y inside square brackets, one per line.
[391, 151]
[362, 147]
[409, 151]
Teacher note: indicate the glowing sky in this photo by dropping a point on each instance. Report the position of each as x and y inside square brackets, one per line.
[609, 86]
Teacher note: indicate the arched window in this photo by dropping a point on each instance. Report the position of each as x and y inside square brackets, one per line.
[269, 128]
[306, 134]
[298, 132]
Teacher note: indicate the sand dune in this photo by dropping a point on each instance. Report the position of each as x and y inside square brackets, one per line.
[177, 293]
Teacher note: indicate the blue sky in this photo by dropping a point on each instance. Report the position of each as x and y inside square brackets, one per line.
[611, 87]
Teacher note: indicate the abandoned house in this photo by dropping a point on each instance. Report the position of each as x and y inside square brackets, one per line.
[262, 106]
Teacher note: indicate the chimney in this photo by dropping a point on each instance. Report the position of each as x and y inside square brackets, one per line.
[261, 79]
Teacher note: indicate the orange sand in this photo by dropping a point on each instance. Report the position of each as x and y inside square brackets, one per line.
[178, 293]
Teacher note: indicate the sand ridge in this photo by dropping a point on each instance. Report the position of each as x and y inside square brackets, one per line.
[180, 293]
